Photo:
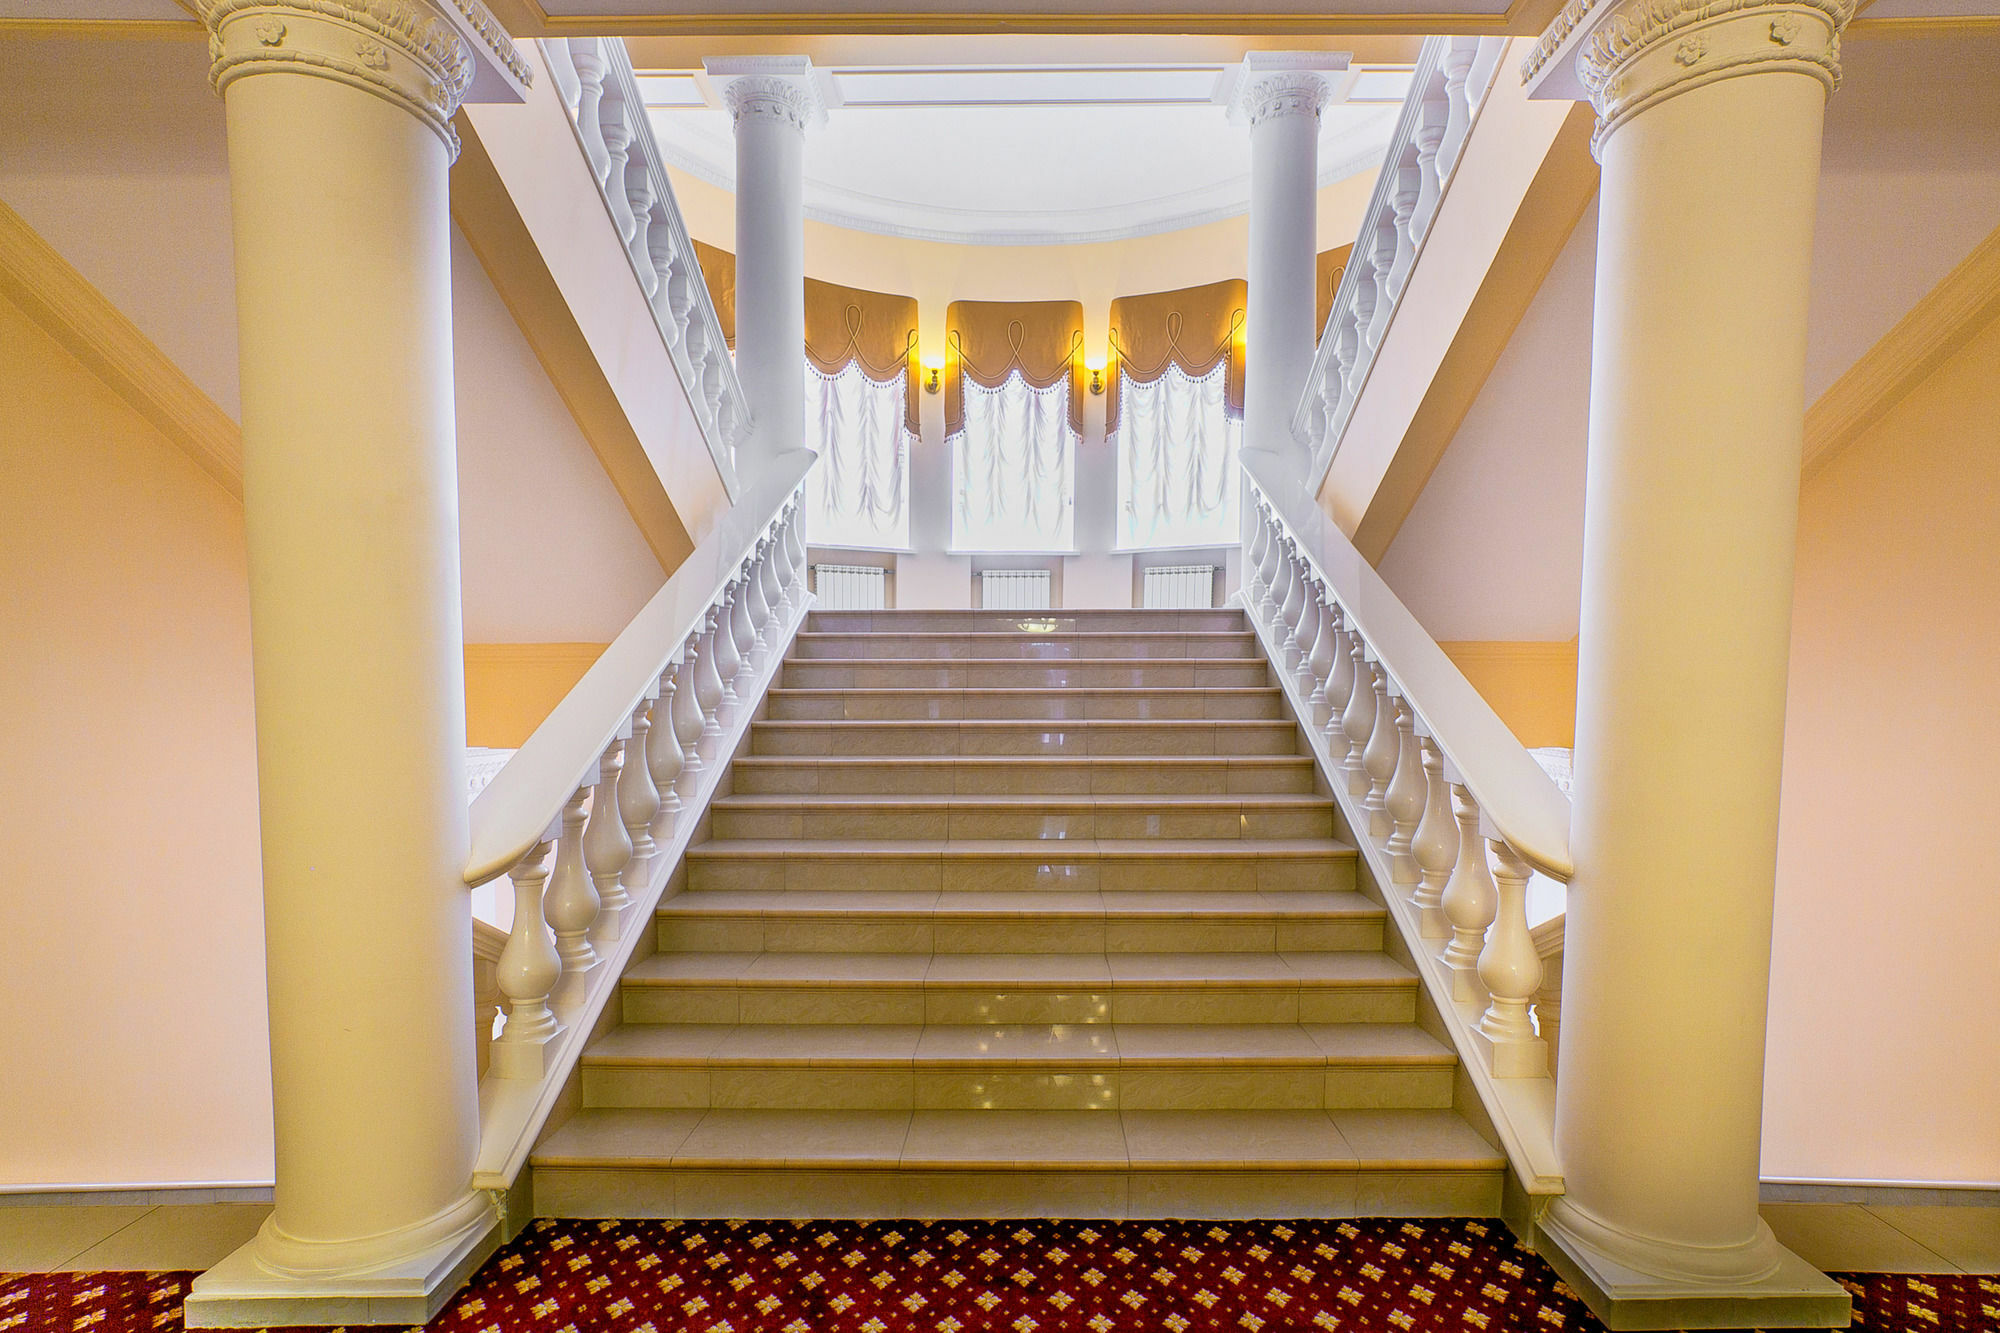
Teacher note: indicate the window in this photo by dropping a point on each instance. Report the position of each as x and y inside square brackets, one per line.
[1176, 443]
[858, 493]
[1013, 468]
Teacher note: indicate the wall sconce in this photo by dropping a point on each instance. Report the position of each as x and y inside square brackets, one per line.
[932, 378]
[1096, 376]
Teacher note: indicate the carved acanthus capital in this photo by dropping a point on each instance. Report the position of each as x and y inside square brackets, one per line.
[402, 50]
[784, 90]
[1270, 85]
[1636, 54]
[1277, 95]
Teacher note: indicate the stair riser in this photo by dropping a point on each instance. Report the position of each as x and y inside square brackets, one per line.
[1009, 1193]
[948, 738]
[1239, 1086]
[991, 622]
[1029, 648]
[958, 874]
[931, 825]
[994, 675]
[1017, 935]
[833, 1002]
[944, 706]
[968, 777]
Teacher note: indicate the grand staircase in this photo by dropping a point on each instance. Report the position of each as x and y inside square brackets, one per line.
[1011, 915]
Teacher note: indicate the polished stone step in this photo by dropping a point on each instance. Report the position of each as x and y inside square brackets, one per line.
[1073, 673]
[1294, 815]
[1103, 1066]
[1027, 704]
[794, 987]
[1194, 737]
[1014, 646]
[1024, 775]
[1109, 865]
[1048, 921]
[1133, 1163]
[1024, 622]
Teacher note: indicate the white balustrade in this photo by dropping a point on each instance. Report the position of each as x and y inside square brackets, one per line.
[1452, 79]
[1511, 970]
[1405, 798]
[1435, 846]
[1469, 901]
[527, 973]
[1357, 720]
[571, 905]
[742, 629]
[1378, 759]
[664, 756]
[1318, 672]
[593, 76]
[638, 804]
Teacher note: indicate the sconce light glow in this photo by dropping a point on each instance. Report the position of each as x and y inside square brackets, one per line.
[933, 376]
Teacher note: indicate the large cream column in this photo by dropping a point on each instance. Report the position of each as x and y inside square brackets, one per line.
[338, 116]
[1279, 95]
[1709, 137]
[773, 101]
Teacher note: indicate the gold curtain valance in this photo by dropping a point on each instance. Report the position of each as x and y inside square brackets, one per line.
[1332, 263]
[718, 272]
[989, 340]
[1195, 328]
[874, 329]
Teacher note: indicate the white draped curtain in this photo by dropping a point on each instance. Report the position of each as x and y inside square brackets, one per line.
[858, 493]
[1014, 468]
[1176, 444]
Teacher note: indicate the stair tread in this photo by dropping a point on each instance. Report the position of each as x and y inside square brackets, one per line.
[1017, 661]
[1024, 760]
[986, 1140]
[1061, 1045]
[1056, 849]
[1025, 971]
[976, 801]
[1003, 905]
[1025, 723]
[1179, 691]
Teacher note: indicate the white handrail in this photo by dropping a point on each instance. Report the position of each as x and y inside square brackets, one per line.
[1452, 78]
[1513, 791]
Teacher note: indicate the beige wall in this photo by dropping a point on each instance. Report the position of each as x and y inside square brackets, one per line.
[1883, 1062]
[135, 1046]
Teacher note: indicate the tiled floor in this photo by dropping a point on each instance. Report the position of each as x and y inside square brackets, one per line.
[1840, 1236]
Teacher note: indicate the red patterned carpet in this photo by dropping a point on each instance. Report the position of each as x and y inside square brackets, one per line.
[1377, 1275]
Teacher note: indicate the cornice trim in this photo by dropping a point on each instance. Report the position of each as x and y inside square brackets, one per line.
[1964, 301]
[78, 316]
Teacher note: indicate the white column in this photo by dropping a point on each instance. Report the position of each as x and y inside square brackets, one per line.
[340, 141]
[773, 101]
[1709, 137]
[1279, 95]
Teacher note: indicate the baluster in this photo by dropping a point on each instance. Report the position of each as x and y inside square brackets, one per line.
[1294, 609]
[617, 148]
[708, 687]
[688, 715]
[1332, 390]
[1253, 564]
[607, 847]
[527, 972]
[1340, 682]
[772, 592]
[795, 533]
[1432, 114]
[1405, 797]
[1382, 257]
[638, 805]
[743, 629]
[1267, 598]
[639, 198]
[588, 56]
[1378, 760]
[1319, 662]
[727, 663]
[727, 420]
[1469, 901]
[572, 904]
[1457, 64]
[562, 72]
[1409, 186]
[660, 247]
[1511, 970]
[778, 586]
[694, 338]
[1480, 81]
[664, 756]
[1363, 316]
[1435, 846]
[680, 297]
[1357, 720]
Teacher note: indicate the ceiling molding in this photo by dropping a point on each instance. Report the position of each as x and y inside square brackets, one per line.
[1964, 301]
[111, 30]
[93, 330]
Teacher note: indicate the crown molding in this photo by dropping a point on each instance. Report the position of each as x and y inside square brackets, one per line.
[94, 331]
[105, 30]
[1964, 301]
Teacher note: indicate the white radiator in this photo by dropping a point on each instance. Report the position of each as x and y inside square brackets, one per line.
[1180, 587]
[851, 587]
[1014, 589]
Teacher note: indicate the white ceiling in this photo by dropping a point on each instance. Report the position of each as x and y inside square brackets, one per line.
[1024, 156]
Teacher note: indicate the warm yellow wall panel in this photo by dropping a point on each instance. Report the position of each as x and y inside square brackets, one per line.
[510, 687]
[1532, 686]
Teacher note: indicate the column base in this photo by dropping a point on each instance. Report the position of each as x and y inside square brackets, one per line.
[1793, 1294]
[241, 1292]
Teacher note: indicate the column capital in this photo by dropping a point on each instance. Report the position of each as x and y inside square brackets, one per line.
[1272, 84]
[1626, 57]
[785, 90]
[421, 58]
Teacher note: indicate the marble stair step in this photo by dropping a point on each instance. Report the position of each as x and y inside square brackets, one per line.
[1025, 622]
[1335, 986]
[1048, 921]
[777, 815]
[995, 673]
[1023, 775]
[986, 1163]
[1027, 1067]
[1017, 736]
[1027, 703]
[1220, 865]
[1012, 645]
